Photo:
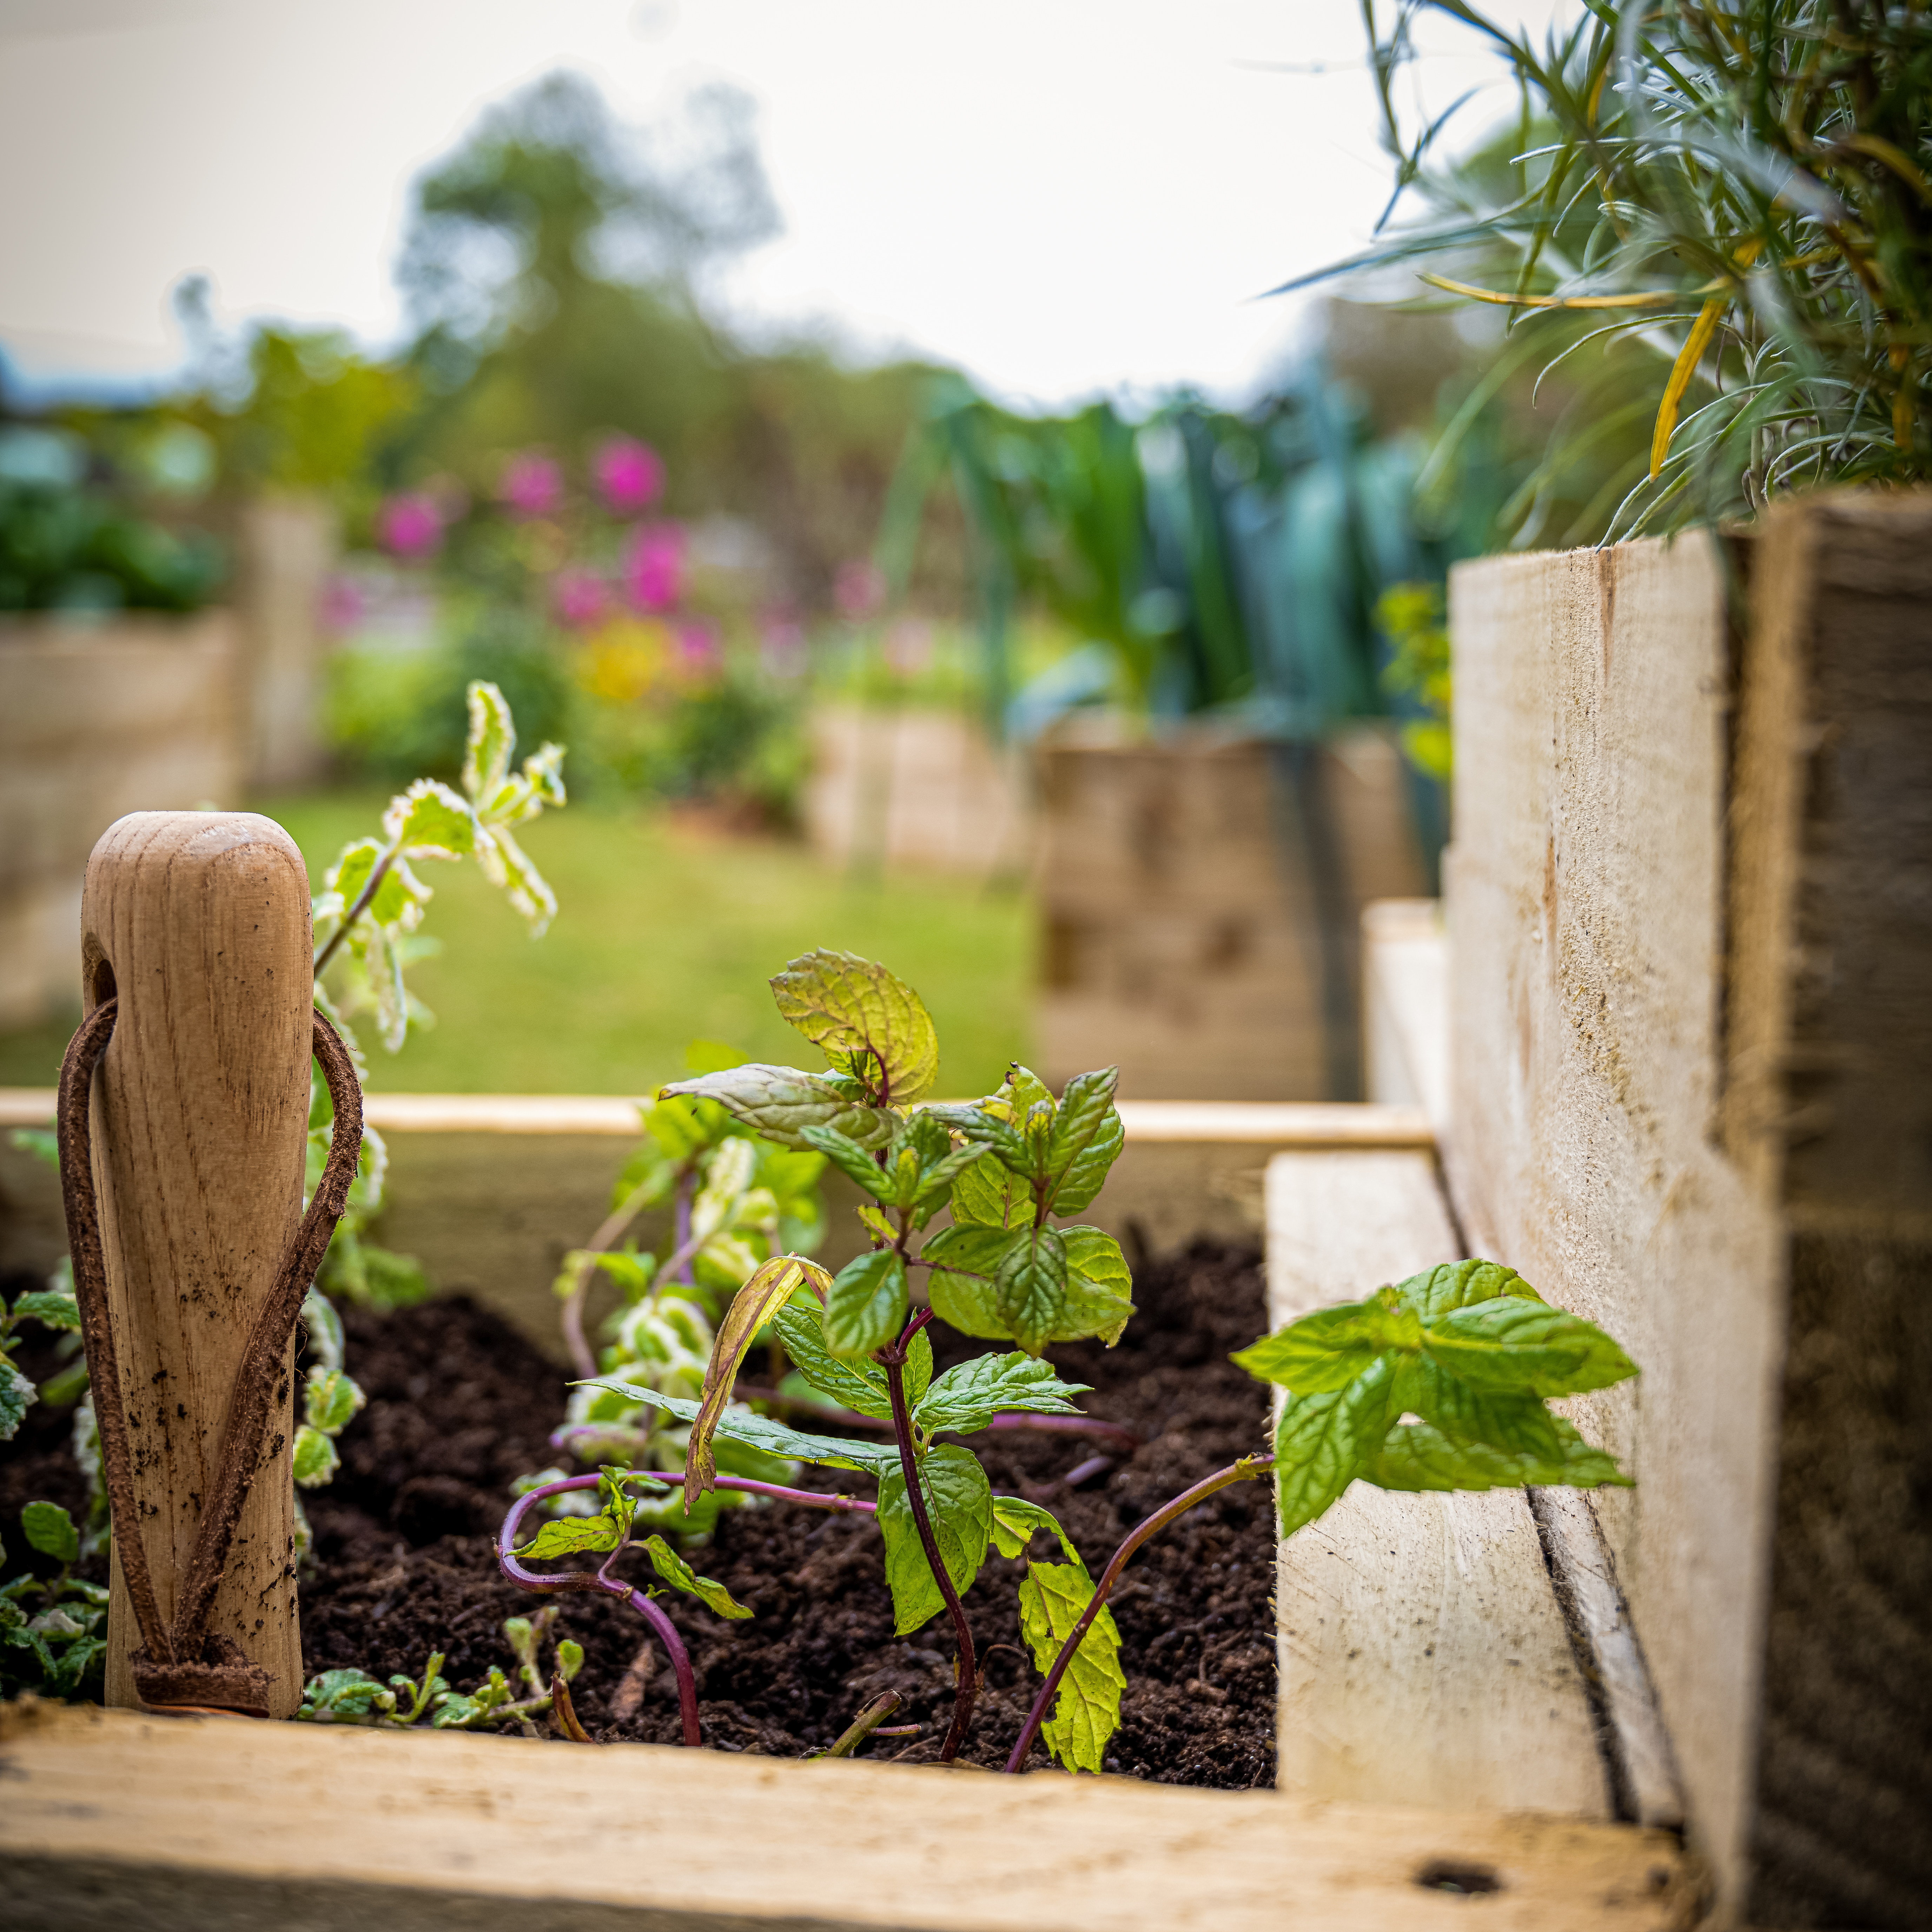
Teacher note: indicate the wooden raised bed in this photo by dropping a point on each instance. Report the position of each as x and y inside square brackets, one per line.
[1690, 1078]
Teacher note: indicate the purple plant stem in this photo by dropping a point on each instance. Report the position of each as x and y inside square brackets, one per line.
[562, 1581]
[686, 1187]
[1245, 1471]
[680, 1662]
[891, 1359]
[1072, 1425]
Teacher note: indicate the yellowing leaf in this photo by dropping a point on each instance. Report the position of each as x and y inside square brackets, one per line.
[768, 1290]
[868, 1022]
[1086, 1712]
[1681, 371]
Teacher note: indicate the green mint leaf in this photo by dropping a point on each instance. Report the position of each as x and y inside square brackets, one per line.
[429, 821]
[964, 1260]
[981, 1129]
[866, 1305]
[674, 1569]
[1086, 1712]
[967, 1397]
[325, 1328]
[573, 1535]
[314, 1457]
[492, 738]
[1029, 1286]
[851, 1160]
[988, 1194]
[504, 863]
[781, 1101]
[329, 1400]
[1438, 1291]
[345, 1695]
[385, 966]
[868, 1022]
[350, 873]
[1322, 1442]
[959, 1501]
[543, 774]
[1099, 1287]
[1517, 1345]
[860, 1386]
[1419, 1456]
[1323, 1352]
[763, 1432]
[50, 1530]
[1086, 1139]
[1014, 1520]
[54, 1310]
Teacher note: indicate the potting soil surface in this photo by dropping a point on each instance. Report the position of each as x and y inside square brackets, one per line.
[461, 1405]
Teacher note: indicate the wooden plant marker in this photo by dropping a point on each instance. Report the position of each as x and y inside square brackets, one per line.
[198, 924]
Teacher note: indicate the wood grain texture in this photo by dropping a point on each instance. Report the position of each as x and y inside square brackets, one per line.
[1829, 1110]
[198, 923]
[1586, 917]
[1424, 1658]
[113, 1820]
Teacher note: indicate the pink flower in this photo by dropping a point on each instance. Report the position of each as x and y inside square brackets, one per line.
[781, 645]
[581, 598]
[343, 605]
[654, 567]
[531, 486]
[630, 474]
[909, 647]
[697, 644]
[858, 588]
[410, 526]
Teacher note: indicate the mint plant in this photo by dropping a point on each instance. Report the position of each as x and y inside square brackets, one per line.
[1442, 1382]
[352, 1696]
[368, 920]
[56, 1650]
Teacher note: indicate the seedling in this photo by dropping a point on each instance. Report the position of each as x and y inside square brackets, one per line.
[56, 1650]
[352, 1696]
[1442, 1382]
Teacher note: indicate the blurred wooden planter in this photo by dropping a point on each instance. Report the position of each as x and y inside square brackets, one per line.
[1198, 901]
[134, 714]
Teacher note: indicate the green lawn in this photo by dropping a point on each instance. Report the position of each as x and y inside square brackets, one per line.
[663, 935]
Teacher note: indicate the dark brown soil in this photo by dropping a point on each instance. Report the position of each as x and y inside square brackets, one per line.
[460, 1405]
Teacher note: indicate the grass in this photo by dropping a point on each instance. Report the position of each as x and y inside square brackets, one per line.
[664, 935]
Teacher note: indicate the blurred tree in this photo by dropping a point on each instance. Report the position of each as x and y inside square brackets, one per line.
[558, 268]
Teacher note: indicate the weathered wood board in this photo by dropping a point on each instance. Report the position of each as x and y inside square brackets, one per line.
[1690, 900]
[203, 1824]
[489, 1191]
[1423, 1658]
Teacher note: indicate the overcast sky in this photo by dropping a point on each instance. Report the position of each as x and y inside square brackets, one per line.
[1062, 196]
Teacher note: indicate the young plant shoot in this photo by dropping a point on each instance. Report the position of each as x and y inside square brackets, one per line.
[1442, 1382]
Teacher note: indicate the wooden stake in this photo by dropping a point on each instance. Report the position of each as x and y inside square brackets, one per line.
[198, 921]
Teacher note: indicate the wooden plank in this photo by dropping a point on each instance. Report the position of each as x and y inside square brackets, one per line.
[1585, 894]
[1314, 1123]
[113, 1820]
[1405, 1006]
[1424, 1658]
[1828, 1108]
[1692, 899]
